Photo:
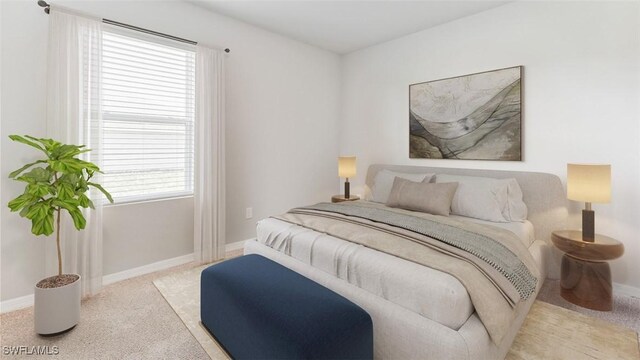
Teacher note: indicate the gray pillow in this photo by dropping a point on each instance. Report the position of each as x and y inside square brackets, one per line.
[497, 200]
[383, 182]
[420, 196]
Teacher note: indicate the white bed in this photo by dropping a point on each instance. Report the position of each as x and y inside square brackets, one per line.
[418, 312]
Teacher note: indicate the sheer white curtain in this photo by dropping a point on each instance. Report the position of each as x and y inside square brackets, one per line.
[209, 187]
[73, 100]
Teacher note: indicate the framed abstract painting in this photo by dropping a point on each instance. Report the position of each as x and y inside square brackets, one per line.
[471, 117]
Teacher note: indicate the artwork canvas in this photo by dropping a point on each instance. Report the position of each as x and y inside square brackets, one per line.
[472, 117]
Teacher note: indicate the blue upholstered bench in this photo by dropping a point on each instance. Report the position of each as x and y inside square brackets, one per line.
[259, 309]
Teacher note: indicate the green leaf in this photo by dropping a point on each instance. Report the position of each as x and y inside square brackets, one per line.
[17, 172]
[69, 204]
[40, 189]
[42, 225]
[41, 216]
[39, 208]
[105, 192]
[49, 144]
[72, 207]
[65, 191]
[71, 179]
[72, 165]
[21, 201]
[81, 186]
[23, 140]
[24, 211]
[84, 201]
[67, 151]
[36, 175]
[78, 219]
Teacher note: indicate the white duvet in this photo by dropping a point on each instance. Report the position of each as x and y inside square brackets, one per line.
[428, 292]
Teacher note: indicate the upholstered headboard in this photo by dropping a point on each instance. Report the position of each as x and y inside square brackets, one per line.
[543, 193]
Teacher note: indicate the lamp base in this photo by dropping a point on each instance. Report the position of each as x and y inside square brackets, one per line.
[346, 189]
[588, 225]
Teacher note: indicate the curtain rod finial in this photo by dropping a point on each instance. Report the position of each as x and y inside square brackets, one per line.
[44, 4]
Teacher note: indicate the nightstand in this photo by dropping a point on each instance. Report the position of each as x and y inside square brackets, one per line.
[341, 198]
[585, 278]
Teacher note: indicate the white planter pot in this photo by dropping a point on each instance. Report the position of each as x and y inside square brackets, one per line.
[57, 309]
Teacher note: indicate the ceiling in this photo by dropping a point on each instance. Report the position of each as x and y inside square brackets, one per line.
[345, 26]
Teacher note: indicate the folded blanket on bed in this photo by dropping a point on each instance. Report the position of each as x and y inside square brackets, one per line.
[491, 263]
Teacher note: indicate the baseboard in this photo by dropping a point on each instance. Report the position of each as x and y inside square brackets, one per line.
[146, 269]
[16, 303]
[161, 265]
[26, 301]
[626, 290]
[238, 245]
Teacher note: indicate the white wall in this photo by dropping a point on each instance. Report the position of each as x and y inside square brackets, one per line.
[581, 97]
[282, 112]
[146, 232]
[23, 111]
[581, 104]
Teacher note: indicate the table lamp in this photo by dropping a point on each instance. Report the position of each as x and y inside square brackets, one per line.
[589, 183]
[346, 169]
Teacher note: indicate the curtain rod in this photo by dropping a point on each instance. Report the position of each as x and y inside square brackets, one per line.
[47, 7]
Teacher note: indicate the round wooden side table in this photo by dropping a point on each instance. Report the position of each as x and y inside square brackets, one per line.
[585, 278]
[341, 198]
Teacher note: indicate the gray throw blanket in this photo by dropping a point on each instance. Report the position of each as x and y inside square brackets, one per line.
[493, 264]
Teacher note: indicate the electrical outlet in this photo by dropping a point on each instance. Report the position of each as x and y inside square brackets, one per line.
[248, 214]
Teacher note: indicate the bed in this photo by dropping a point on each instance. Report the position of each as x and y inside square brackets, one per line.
[418, 310]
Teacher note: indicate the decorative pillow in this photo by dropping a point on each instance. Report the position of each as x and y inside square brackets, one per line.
[383, 182]
[516, 208]
[422, 196]
[497, 200]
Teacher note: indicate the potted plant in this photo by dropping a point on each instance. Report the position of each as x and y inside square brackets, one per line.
[55, 184]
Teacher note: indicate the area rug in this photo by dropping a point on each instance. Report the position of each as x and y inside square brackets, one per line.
[549, 331]
[182, 292]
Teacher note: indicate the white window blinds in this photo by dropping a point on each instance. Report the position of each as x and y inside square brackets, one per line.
[147, 116]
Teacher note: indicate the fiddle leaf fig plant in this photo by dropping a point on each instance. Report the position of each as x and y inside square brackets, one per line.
[59, 182]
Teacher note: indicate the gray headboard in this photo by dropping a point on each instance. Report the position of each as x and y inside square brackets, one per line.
[543, 193]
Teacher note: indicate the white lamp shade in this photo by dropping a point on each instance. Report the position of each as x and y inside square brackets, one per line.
[589, 183]
[346, 166]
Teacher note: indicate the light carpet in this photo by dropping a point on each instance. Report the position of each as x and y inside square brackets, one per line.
[131, 320]
[126, 320]
[549, 331]
[626, 309]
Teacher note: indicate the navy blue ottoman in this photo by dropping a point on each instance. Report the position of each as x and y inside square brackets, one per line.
[259, 309]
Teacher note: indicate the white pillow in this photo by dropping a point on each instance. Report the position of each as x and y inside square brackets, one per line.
[497, 200]
[383, 182]
[516, 208]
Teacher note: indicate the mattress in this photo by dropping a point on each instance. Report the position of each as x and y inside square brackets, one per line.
[431, 293]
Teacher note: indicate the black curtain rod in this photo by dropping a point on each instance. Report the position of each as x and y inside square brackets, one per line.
[47, 7]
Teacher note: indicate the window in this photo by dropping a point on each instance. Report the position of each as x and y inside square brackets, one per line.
[148, 115]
